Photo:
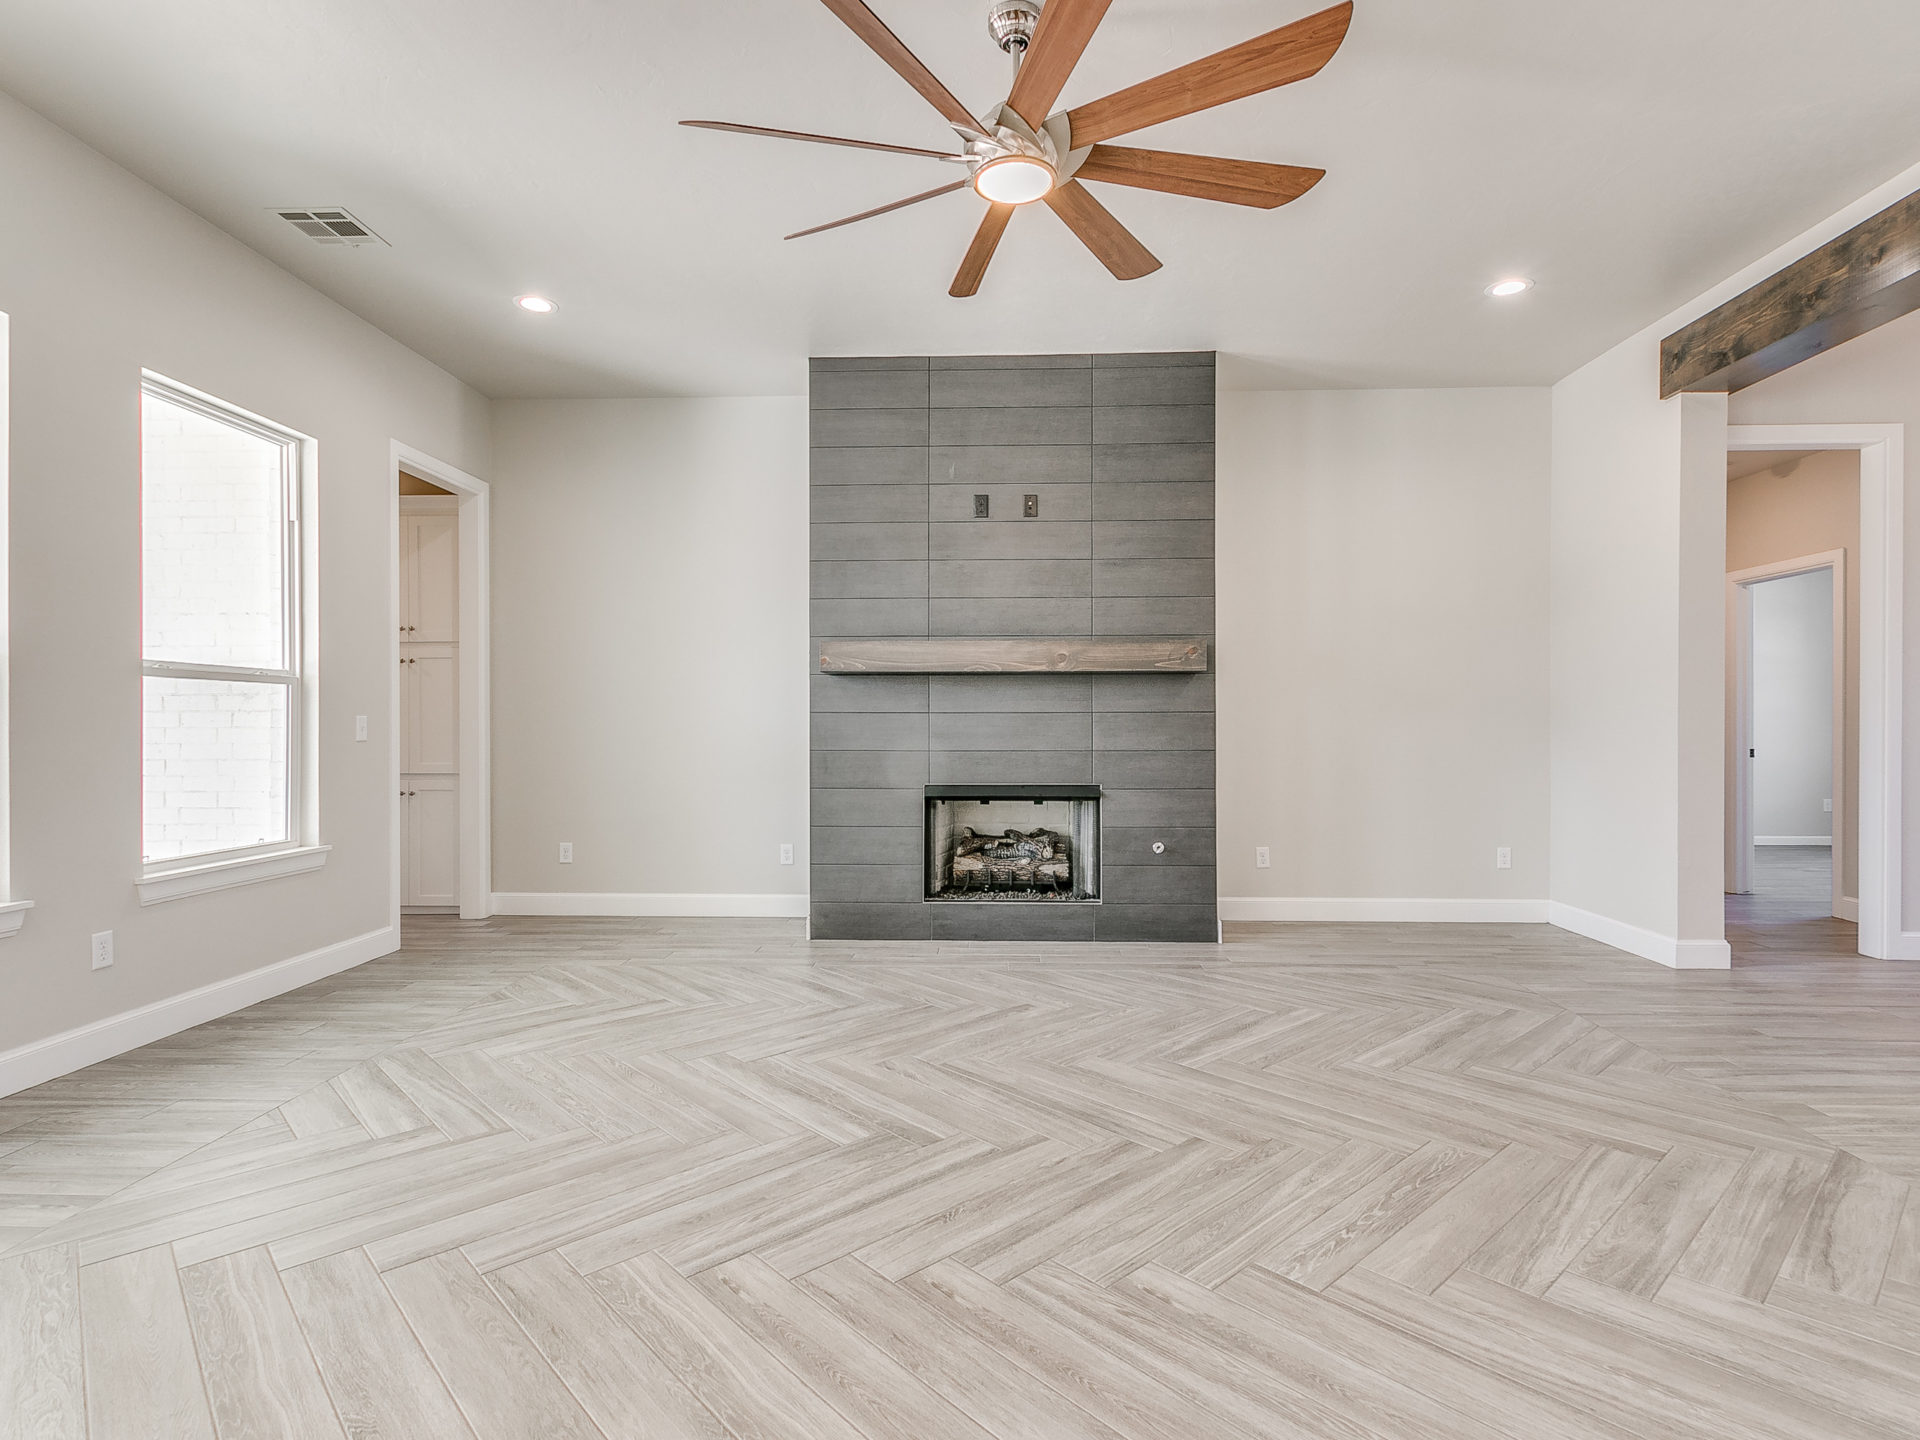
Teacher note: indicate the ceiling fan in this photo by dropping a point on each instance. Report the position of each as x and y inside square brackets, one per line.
[1018, 153]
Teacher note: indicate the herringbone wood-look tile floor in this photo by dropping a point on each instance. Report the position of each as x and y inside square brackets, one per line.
[700, 1180]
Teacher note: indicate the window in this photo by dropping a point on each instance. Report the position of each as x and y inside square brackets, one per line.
[223, 698]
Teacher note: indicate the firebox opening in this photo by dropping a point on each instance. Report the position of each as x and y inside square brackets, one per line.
[1035, 843]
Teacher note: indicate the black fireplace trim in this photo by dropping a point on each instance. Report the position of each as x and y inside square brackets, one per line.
[1013, 792]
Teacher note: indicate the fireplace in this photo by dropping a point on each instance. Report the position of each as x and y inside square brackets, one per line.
[1036, 844]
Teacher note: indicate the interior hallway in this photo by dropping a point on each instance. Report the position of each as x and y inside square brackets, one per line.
[701, 1178]
[1789, 915]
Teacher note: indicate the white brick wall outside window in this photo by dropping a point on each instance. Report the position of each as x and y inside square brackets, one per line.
[221, 628]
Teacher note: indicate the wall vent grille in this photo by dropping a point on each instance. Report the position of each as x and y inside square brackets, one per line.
[331, 226]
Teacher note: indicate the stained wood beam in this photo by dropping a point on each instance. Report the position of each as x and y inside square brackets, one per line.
[1850, 285]
[959, 655]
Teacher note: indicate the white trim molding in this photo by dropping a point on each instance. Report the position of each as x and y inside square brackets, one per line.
[1793, 840]
[1245, 909]
[13, 915]
[159, 886]
[43, 1060]
[1663, 949]
[568, 902]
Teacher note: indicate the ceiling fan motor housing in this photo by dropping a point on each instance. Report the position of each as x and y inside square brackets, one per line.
[1012, 22]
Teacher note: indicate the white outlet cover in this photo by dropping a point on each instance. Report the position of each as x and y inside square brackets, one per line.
[1503, 858]
[786, 854]
[103, 950]
[566, 852]
[1262, 858]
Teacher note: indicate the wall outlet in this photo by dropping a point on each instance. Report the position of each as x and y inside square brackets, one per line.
[1503, 858]
[103, 950]
[566, 852]
[360, 727]
[1827, 805]
[1262, 858]
[786, 854]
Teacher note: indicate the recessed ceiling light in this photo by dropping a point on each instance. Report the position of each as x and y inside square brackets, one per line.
[538, 304]
[1500, 289]
[1013, 180]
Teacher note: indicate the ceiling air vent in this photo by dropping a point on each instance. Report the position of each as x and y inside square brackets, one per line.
[330, 227]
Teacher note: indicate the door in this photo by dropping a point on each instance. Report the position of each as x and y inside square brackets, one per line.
[430, 707]
[430, 821]
[430, 575]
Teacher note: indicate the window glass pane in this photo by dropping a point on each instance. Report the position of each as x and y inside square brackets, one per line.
[212, 524]
[216, 765]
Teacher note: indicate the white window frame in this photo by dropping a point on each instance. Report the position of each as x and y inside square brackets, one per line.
[174, 877]
[13, 913]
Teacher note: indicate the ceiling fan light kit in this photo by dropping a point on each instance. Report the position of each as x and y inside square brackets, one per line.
[1021, 153]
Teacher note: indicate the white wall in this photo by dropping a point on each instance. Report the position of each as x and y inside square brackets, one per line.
[102, 275]
[650, 654]
[1793, 705]
[1383, 634]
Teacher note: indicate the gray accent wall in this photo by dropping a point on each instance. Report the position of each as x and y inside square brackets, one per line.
[1120, 451]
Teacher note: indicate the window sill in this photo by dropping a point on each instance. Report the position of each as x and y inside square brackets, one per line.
[13, 916]
[160, 886]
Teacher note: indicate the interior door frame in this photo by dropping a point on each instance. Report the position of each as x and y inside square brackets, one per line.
[476, 741]
[1880, 828]
[1740, 834]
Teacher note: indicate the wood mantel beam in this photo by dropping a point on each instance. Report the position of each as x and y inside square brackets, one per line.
[1850, 285]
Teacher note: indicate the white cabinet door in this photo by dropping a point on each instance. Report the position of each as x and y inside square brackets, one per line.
[430, 823]
[430, 709]
[430, 576]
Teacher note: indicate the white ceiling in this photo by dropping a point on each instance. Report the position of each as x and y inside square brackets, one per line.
[1624, 153]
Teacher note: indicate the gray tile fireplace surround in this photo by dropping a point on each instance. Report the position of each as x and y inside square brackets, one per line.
[1118, 450]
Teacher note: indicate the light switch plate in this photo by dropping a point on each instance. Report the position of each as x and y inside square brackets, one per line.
[1032, 507]
[359, 727]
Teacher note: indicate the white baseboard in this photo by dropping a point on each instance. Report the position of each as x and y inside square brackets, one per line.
[1664, 949]
[567, 902]
[1847, 907]
[1241, 908]
[1826, 840]
[42, 1060]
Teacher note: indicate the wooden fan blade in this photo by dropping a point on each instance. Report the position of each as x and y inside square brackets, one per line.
[884, 43]
[1111, 242]
[1293, 52]
[985, 241]
[883, 209]
[1063, 32]
[820, 139]
[1205, 177]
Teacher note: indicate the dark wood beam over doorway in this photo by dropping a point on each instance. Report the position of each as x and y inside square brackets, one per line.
[1850, 285]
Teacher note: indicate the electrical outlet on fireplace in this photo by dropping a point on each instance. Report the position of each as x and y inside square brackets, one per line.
[786, 854]
[1503, 858]
[566, 852]
[1262, 858]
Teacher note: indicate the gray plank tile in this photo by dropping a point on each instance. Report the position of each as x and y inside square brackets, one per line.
[1153, 385]
[1147, 770]
[1012, 920]
[951, 503]
[1151, 500]
[869, 579]
[1153, 464]
[1157, 884]
[1010, 767]
[1010, 579]
[1150, 424]
[1152, 539]
[869, 427]
[1009, 617]
[869, 542]
[1027, 540]
[1153, 692]
[1133, 845]
[875, 389]
[1000, 362]
[887, 731]
[1197, 924]
[1133, 808]
[1161, 615]
[826, 364]
[869, 922]
[1004, 693]
[866, 884]
[1151, 358]
[862, 844]
[1011, 425]
[1153, 577]
[868, 465]
[869, 769]
[856, 808]
[868, 692]
[1150, 730]
[867, 504]
[1011, 465]
[986, 730]
[954, 389]
[870, 617]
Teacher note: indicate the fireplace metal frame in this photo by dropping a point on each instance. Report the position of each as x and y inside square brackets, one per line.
[1086, 857]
